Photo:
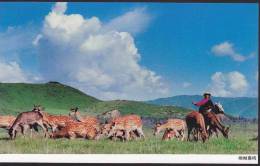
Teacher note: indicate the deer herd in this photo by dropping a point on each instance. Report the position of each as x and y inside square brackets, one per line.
[115, 126]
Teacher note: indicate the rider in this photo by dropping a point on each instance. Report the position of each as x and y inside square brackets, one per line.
[205, 105]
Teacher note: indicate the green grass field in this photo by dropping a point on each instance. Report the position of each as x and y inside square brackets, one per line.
[238, 143]
[58, 99]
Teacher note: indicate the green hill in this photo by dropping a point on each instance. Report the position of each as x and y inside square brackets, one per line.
[17, 97]
[58, 99]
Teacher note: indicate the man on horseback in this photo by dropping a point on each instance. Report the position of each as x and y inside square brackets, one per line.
[208, 109]
[206, 104]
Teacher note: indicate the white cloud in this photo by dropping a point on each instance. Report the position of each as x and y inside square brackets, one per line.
[101, 61]
[256, 75]
[11, 72]
[186, 84]
[60, 7]
[227, 49]
[228, 84]
[132, 22]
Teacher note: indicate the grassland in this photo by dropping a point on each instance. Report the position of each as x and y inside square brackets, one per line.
[238, 143]
[58, 99]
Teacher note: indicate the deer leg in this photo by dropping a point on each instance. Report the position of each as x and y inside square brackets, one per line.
[44, 129]
[140, 132]
[22, 130]
[127, 133]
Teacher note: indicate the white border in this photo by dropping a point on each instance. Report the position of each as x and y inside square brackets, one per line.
[127, 158]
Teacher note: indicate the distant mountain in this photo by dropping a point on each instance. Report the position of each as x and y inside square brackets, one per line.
[246, 107]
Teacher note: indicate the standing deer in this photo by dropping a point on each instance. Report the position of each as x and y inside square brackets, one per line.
[53, 121]
[127, 123]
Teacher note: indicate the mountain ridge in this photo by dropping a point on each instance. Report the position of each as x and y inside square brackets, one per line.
[236, 106]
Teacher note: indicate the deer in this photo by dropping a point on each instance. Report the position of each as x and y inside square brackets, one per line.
[53, 121]
[178, 125]
[26, 120]
[127, 124]
[74, 130]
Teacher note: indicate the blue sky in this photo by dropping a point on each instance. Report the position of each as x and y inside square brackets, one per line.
[181, 48]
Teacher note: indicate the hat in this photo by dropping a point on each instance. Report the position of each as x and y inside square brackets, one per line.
[206, 93]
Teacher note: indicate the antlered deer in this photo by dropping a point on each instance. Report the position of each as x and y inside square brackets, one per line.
[178, 125]
[127, 123]
[25, 120]
[77, 130]
[195, 120]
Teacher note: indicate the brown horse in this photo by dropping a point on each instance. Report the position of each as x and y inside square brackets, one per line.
[195, 121]
[213, 124]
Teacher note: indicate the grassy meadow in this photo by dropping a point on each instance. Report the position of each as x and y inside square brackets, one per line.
[58, 99]
[238, 143]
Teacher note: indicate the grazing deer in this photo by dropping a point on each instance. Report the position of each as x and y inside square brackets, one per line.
[178, 125]
[74, 129]
[25, 120]
[6, 121]
[195, 120]
[169, 134]
[127, 123]
[105, 129]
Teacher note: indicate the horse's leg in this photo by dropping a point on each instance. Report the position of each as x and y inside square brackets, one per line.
[189, 131]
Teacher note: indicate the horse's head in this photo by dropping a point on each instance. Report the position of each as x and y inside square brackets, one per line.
[219, 108]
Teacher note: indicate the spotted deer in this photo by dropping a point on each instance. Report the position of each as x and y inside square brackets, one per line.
[77, 130]
[53, 121]
[177, 125]
[127, 124]
[6, 121]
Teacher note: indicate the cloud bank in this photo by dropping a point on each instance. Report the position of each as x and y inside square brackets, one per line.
[228, 84]
[100, 59]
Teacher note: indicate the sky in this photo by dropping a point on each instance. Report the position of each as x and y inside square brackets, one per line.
[135, 51]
